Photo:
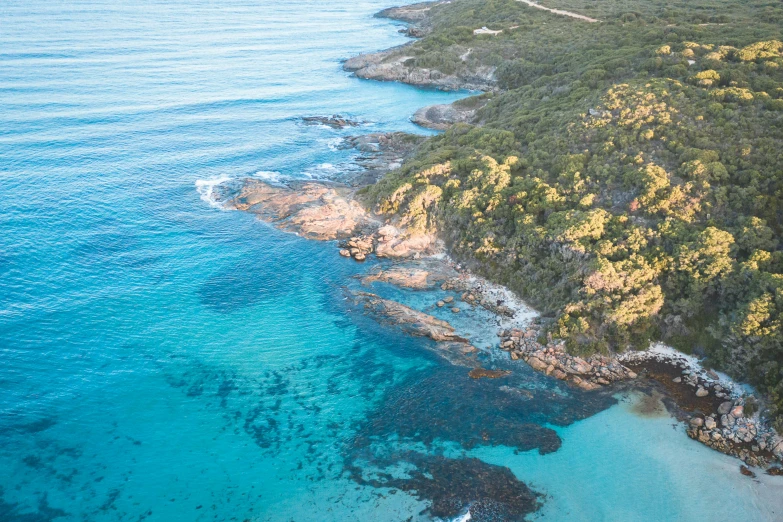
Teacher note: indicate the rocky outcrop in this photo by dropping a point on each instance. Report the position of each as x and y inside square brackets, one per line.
[395, 65]
[475, 293]
[734, 434]
[414, 13]
[483, 373]
[315, 210]
[335, 122]
[714, 409]
[327, 211]
[441, 117]
[448, 344]
[410, 320]
[552, 359]
[379, 152]
[424, 274]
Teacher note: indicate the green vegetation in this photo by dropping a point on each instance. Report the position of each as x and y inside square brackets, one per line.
[628, 177]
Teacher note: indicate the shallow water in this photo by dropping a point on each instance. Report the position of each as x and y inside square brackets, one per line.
[166, 360]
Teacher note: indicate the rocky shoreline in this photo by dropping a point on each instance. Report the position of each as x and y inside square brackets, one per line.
[718, 414]
[397, 65]
[715, 411]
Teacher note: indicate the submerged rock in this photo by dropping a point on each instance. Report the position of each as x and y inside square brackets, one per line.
[482, 373]
[336, 121]
[410, 320]
[420, 275]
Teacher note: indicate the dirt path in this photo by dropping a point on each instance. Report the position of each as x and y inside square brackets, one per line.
[559, 11]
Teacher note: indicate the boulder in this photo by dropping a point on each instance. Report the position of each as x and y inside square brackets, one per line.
[455, 310]
[747, 472]
[696, 422]
[738, 411]
[710, 423]
[441, 304]
[725, 407]
[701, 392]
[537, 364]
[678, 380]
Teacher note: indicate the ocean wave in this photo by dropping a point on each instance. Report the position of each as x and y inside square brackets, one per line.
[271, 176]
[322, 171]
[206, 189]
[335, 144]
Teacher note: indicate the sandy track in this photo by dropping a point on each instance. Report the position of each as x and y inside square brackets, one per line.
[559, 11]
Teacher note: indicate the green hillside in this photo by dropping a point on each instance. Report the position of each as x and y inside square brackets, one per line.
[627, 177]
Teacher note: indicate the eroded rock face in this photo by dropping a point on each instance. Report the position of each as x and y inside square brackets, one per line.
[314, 210]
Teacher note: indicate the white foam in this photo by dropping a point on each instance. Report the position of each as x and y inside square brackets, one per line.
[206, 189]
[322, 170]
[271, 176]
[334, 143]
[462, 518]
[523, 314]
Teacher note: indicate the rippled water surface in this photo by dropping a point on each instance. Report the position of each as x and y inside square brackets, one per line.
[161, 359]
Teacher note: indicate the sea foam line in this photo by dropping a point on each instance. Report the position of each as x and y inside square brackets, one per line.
[206, 190]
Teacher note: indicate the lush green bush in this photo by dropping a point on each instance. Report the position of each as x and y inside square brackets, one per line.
[628, 180]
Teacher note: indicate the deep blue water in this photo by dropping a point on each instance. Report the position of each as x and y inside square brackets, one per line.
[162, 359]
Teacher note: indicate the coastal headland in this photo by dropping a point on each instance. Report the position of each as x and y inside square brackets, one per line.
[421, 213]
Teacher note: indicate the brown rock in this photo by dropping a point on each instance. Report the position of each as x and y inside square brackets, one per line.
[410, 320]
[455, 310]
[537, 364]
[320, 211]
[747, 472]
[725, 407]
[696, 422]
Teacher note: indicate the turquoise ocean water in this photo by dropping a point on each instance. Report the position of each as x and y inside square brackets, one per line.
[164, 360]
